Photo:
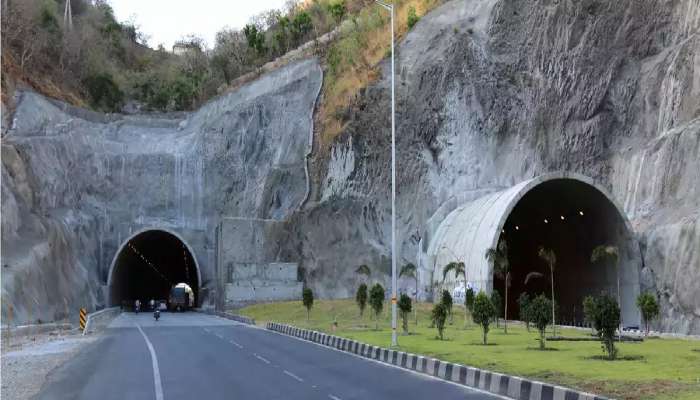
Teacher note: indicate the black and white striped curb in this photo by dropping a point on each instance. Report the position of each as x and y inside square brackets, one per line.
[510, 386]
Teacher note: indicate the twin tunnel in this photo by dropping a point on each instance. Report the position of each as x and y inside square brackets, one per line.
[148, 265]
[566, 213]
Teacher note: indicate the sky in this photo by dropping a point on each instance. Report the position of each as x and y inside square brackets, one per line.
[165, 21]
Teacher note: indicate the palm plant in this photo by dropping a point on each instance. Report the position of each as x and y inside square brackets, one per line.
[459, 269]
[410, 271]
[611, 253]
[498, 258]
[550, 257]
[364, 270]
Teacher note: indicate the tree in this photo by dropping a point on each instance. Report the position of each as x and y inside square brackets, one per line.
[469, 299]
[337, 10]
[410, 271]
[405, 309]
[363, 270]
[438, 317]
[446, 300]
[497, 302]
[498, 258]
[609, 317]
[361, 298]
[412, 18]
[301, 25]
[484, 312]
[649, 308]
[523, 304]
[255, 38]
[608, 252]
[307, 297]
[376, 301]
[459, 269]
[539, 311]
[550, 257]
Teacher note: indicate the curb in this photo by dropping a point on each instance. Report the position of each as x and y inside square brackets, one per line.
[504, 385]
[233, 317]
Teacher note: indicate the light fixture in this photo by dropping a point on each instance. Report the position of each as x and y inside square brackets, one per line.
[562, 217]
[545, 221]
[517, 227]
[580, 212]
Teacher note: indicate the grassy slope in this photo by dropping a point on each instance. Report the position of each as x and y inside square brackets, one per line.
[654, 369]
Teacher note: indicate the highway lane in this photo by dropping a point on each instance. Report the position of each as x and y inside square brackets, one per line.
[204, 357]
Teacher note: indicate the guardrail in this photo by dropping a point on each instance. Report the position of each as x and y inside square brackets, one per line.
[100, 319]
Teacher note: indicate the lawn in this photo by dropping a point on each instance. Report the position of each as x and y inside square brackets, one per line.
[654, 369]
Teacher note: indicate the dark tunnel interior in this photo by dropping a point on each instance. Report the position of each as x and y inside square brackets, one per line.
[149, 265]
[571, 218]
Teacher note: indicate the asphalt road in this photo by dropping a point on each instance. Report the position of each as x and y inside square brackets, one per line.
[196, 356]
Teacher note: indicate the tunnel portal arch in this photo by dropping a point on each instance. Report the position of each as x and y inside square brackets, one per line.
[565, 211]
[149, 263]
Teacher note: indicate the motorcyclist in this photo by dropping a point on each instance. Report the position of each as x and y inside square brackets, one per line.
[137, 306]
[153, 304]
[156, 314]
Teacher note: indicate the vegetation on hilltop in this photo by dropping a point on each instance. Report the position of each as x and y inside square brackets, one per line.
[105, 64]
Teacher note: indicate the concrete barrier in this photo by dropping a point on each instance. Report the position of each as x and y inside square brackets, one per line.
[513, 387]
[100, 319]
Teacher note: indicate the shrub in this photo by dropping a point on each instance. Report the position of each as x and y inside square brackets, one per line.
[405, 308]
[649, 308]
[497, 302]
[412, 18]
[540, 311]
[376, 301]
[307, 297]
[104, 92]
[590, 312]
[609, 316]
[255, 38]
[438, 317]
[484, 312]
[301, 25]
[523, 304]
[337, 10]
[361, 298]
[469, 299]
[446, 300]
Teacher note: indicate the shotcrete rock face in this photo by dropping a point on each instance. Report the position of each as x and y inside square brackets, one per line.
[148, 265]
[565, 213]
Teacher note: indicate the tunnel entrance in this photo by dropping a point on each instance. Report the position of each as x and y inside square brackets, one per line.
[148, 265]
[570, 218]
[564, 212]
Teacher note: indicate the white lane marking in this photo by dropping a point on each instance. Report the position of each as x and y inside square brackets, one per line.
[330, 396]
[416, 373]
[233, 342]
[293, 376]
[154, 360]
[263, 359]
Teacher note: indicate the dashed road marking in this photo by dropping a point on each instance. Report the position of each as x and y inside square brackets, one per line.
[293, 376]
[233, 342]
[330, 396]
[263, 359]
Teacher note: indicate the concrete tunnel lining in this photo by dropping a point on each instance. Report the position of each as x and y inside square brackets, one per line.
[115, 288]
[471, 228]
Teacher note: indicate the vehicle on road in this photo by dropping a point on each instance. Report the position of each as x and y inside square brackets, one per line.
[179, 299]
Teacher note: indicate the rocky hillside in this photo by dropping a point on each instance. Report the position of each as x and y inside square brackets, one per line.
[490, 93]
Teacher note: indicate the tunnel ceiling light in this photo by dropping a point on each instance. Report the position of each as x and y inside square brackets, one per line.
[517, 227]
[580, 213]
[562, 217]
[545, 221]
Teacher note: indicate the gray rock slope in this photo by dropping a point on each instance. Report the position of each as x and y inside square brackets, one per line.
[491, 93]
[76, 184]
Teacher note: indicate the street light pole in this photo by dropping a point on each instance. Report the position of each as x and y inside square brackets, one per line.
[394, 341]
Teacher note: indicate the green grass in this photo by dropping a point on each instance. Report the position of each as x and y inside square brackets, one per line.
[658, 369]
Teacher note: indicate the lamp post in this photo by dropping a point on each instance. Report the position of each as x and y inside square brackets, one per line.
[390, 8]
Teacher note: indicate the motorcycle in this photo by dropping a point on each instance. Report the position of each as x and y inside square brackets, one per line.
[156, 314]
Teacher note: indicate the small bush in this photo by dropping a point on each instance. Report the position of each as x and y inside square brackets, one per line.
[483, 314]
[104, 93]
[523, 304]
[361, 298]
[446, 300]
[540, 311]
[376, 301]
[469, 299]
[497, 302]
[307, 298]
[609, 315]
[412, 18]
[438, 317]
[405, 308]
